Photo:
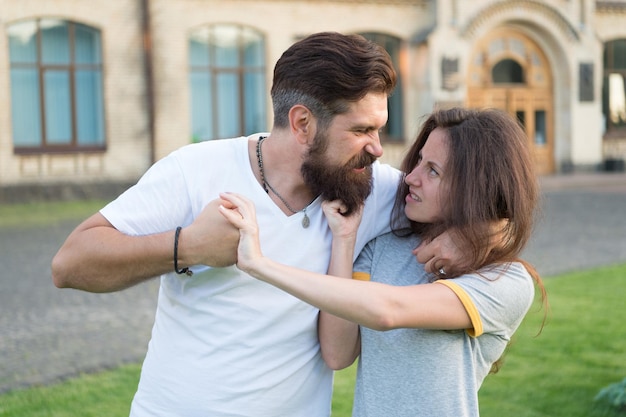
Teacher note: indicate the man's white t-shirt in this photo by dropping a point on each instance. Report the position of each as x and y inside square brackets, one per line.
[224, 343]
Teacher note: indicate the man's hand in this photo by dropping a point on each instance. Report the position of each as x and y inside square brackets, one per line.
[445, 257]
[442, 256]
[210, 239]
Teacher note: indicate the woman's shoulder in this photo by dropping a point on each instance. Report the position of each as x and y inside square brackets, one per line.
[392, 247]
[396, 238]
[503, 281]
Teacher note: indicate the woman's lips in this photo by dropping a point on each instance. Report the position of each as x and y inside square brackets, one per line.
[412, 198]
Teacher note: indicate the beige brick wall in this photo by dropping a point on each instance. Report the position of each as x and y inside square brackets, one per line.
[128, 152]
[282, 22]
[124, 96]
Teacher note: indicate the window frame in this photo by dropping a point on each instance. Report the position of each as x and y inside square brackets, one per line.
[72, 68]
[395, 103]
[611, 129]
[512, 65]
[246, 98]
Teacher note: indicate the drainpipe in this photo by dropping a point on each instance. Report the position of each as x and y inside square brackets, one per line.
[148, 75]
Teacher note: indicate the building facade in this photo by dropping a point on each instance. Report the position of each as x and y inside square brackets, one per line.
[96, 91]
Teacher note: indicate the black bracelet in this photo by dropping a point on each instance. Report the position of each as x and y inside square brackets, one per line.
[187, 271]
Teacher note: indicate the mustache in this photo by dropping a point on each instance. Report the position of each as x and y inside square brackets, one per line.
[361, 161]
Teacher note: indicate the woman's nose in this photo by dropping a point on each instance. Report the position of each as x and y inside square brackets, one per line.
[412, 178]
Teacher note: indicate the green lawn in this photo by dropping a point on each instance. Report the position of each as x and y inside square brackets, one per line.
[581, 350]
[47, 213]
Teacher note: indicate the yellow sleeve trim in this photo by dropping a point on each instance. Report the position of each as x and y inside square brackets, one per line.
[361, 276]
[471, 309]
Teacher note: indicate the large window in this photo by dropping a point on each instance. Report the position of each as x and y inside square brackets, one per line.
[394, 130]
[507, 71]
[227, 82]
[56, 86]
[614, 87]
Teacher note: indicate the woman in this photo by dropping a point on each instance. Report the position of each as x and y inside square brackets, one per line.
[426, 343]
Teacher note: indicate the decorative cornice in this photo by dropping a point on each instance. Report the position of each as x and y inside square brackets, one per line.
[614, 6]
[393, 2]
[508, 8]
[422, 35]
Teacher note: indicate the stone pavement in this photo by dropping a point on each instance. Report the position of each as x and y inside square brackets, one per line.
[597, 181]
[47, 334]
[581, 224]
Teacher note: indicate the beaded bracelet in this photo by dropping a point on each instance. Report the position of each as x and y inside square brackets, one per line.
[185, 270]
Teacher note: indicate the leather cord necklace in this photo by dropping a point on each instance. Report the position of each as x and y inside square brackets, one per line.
[268, 187]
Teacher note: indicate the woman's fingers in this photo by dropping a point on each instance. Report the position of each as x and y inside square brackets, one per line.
[332, 207]
[237, 209]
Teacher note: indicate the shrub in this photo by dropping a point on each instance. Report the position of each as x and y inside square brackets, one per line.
[611, 400]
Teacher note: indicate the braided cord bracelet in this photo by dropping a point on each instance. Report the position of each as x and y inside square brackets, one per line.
[185, 270]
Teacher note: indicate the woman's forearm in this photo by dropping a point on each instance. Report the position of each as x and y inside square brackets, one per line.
[374, 305]
[352, 300]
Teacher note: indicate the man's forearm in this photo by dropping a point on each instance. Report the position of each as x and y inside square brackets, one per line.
[98, 258]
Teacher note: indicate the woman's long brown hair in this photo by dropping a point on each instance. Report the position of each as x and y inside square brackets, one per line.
[492, 189]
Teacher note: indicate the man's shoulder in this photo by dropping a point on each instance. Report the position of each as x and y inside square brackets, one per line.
[211, 152]
[379, 169]
[212, 145]
[385, 178]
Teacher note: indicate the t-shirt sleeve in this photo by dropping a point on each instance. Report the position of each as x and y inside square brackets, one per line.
[496, 300]
[378, 206]
[361, 270]
[158, 202]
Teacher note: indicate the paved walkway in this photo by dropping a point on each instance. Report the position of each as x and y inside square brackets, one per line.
[582, 223]
[47, 334]
[592, 181]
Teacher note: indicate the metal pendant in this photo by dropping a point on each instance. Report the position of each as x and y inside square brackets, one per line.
[305, 221]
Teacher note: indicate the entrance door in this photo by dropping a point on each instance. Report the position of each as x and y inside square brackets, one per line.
[509, 72]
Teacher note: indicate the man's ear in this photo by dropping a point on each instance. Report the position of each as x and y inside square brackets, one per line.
[302, 123]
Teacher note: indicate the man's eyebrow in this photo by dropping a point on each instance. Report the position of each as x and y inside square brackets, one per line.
[368, 127]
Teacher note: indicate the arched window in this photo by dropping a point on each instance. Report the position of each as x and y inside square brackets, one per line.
[227, 82]
[507, 71]
[614, 87]
[56, 86]
[394, 130]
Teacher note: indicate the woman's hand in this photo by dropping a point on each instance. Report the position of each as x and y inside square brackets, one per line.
[341, 225]
[240, 212]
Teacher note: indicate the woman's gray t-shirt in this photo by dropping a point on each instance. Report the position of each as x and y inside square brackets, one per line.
[434, 373]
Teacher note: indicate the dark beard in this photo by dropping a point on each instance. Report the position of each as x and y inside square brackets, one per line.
[338, 182]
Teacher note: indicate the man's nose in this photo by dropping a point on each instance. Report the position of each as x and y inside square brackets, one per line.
[374, 147]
